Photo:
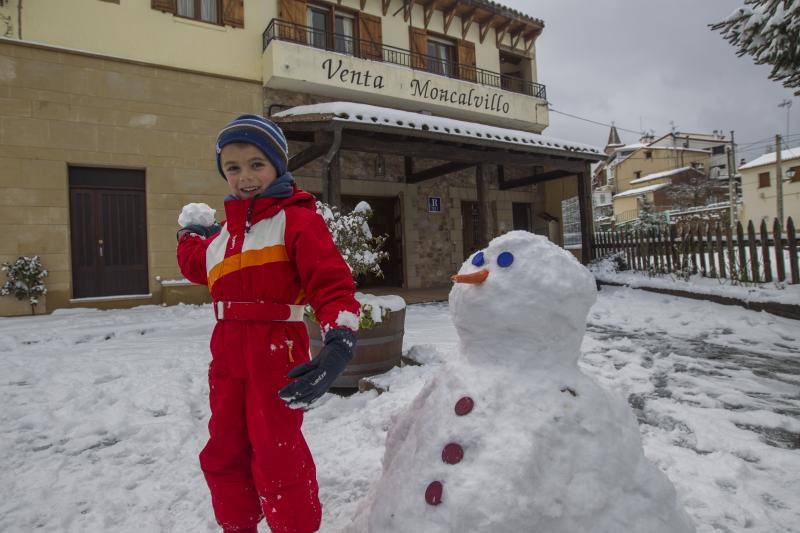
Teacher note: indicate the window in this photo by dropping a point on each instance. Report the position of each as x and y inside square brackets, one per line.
[718, 150]
[521, 216]
[648, 154]
[318, 20]
[637, 174]
[442, 56]
[203, 10]
[763, 180]
[796, 176]
[345, 33]
[571, 216]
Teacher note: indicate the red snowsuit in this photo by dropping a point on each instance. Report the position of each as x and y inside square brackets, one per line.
[256, 461]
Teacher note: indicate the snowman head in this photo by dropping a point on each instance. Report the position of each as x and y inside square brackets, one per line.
[522, 291]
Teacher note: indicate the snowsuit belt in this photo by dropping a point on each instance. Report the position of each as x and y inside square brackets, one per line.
[258, 311]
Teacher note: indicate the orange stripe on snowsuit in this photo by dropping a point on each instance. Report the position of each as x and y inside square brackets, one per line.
[250, 258]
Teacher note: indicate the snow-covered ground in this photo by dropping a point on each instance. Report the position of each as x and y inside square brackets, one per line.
[783, 292]
[104, 412]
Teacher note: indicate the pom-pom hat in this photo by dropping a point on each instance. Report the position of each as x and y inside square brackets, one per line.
[261, 133]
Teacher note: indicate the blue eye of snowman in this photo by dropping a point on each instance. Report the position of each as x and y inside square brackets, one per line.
[505, 259]
[477, 259]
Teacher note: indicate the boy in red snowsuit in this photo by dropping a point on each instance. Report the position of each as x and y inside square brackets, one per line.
[271, 256]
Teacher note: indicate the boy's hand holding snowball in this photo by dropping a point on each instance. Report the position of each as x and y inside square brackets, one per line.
[197, 219]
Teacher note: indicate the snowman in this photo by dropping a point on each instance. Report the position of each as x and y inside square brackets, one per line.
[509, 435]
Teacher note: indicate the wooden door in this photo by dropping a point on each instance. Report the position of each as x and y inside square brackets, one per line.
[108, 227]
[470, 228]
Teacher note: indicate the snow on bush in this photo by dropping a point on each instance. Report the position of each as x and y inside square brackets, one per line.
[359, 248]
[25, 280]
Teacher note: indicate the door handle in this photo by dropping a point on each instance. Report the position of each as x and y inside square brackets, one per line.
[100, 246]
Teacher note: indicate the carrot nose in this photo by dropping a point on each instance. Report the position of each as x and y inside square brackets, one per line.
[476, 277]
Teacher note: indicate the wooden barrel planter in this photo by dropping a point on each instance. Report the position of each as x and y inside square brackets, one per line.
[378, 349]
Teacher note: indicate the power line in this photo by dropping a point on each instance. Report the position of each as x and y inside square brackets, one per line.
[593, 121]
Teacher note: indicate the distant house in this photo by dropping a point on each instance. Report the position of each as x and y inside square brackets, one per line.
[759, 190]
[675, 173]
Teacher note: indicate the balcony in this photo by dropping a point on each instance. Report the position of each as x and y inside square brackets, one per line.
[301, 58]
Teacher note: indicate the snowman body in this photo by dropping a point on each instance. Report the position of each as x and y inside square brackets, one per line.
[541, 447]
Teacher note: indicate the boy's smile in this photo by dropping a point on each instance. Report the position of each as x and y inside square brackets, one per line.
[247, 169]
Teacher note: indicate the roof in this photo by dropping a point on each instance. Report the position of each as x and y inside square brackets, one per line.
[613, 137]
[407, 120]
[641, 190]
[662, 174]
[767, 159]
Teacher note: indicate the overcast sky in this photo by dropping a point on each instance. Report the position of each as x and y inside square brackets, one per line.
[650, 62]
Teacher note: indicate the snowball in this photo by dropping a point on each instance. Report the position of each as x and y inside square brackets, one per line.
[199, 214]
[348, 320]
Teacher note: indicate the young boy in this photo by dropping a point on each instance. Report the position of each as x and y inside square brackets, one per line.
[271, 255]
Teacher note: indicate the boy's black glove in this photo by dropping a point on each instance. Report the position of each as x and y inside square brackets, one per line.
[316, 377]
[203, 231]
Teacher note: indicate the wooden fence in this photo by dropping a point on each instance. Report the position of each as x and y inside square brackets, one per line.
[709, 249]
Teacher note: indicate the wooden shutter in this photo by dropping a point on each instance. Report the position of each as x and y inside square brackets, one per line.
[763, 180]
[295, 13]
[796, 176]
[168, 6]
[233, 13]
[370, 37]
[466, 60]
[419, 47]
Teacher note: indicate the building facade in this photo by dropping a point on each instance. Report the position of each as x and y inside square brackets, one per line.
[676, 173]
[760, 191]
[110, 109]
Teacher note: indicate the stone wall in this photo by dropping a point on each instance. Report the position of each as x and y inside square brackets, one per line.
[61, 108]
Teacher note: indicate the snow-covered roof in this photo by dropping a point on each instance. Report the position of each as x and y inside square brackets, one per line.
[641, 190]
[766, 159]
[662, 174]
[626, 147]
[370, 114]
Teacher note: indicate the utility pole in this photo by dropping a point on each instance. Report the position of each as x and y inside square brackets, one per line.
[779, 178]
[788, 105]
[732, 189]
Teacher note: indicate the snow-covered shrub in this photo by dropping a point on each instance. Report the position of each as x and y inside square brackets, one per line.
[361, 251]
[359, 248]
[25, 280]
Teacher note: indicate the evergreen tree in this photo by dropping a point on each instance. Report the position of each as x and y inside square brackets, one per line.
[25, 280]
[769, 31]
[649, 218]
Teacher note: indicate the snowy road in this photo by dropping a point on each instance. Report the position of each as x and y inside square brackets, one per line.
[104, 413]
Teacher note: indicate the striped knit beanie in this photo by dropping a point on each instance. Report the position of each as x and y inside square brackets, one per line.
[260, 132]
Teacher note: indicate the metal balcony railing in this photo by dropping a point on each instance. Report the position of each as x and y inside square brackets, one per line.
[344, 44]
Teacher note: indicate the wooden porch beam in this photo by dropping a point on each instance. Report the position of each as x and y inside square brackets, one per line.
[308, 155]
[537, 178]
[427, 13]
[431, 150]
[585, 208]
[500, 32]
[408, 5]
[515, 39]
[408, 166]
[435, 172]
[483, 28]
[467, 18]
[447, 17]
[482, 193]
[385, 6]
[362, 3]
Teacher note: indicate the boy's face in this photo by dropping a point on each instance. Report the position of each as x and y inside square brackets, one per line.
[247, 169]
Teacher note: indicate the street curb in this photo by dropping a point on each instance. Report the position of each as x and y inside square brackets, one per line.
[782, 310]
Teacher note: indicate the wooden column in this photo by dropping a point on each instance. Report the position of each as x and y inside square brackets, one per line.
[333, 182]
[585, 206]
[331, 179]
[482, 185]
